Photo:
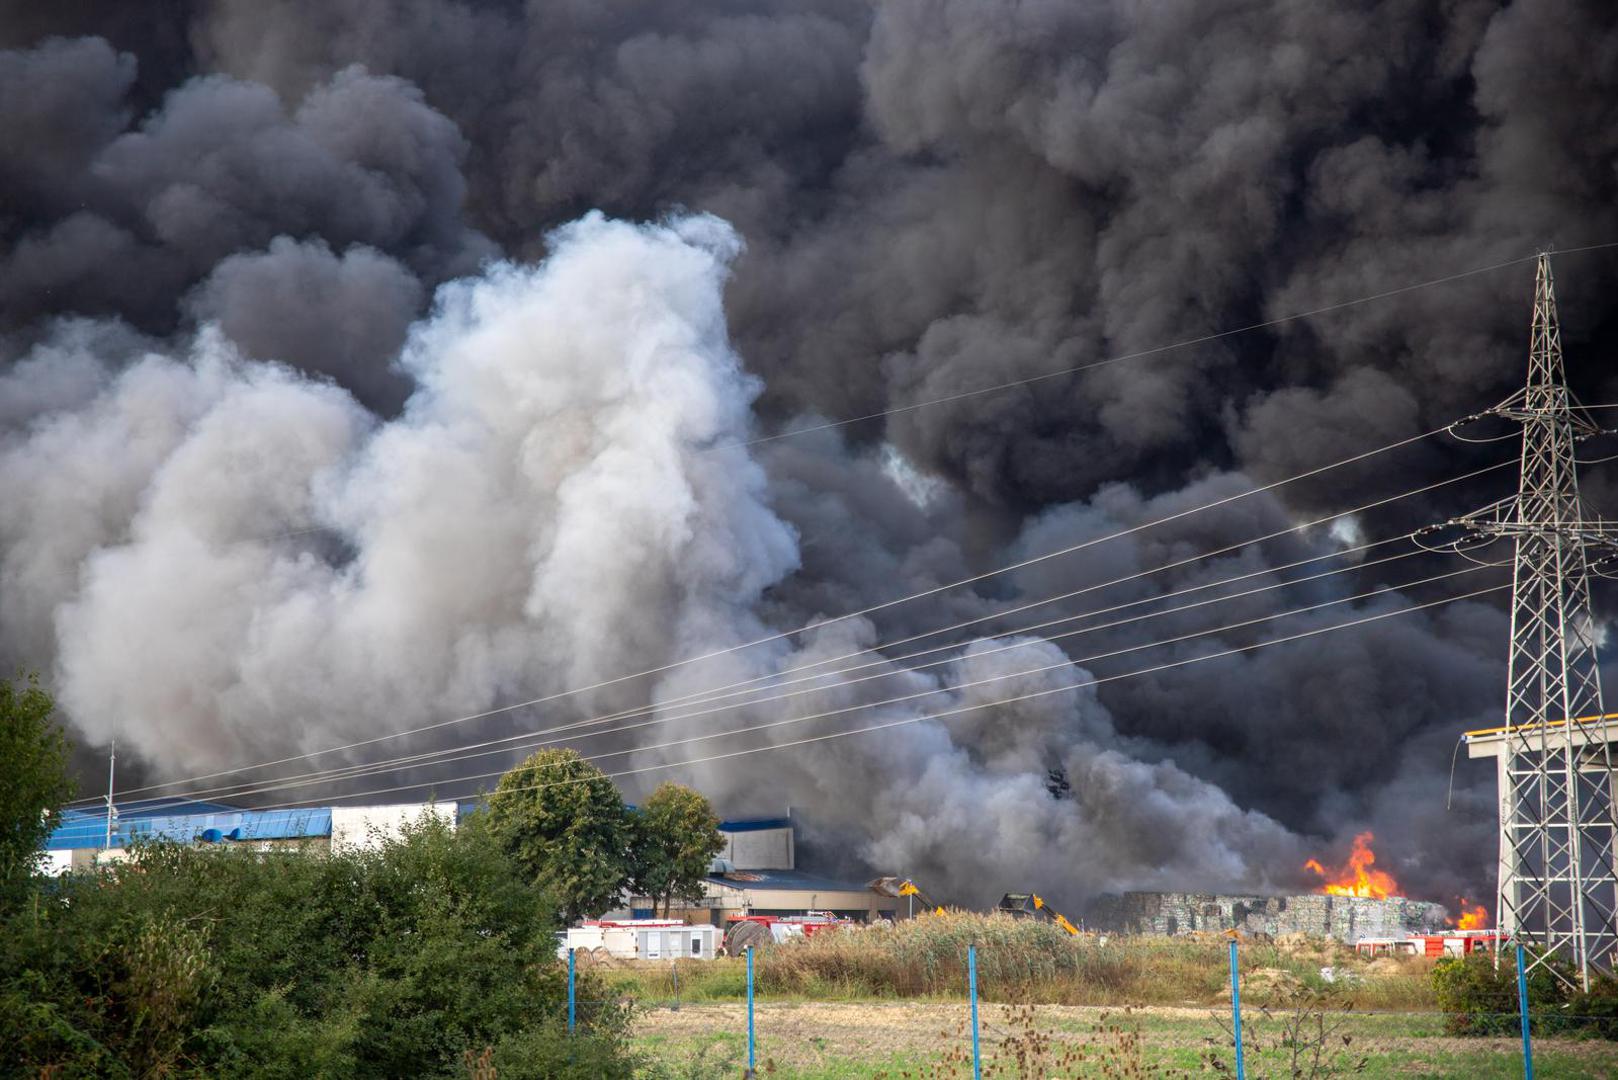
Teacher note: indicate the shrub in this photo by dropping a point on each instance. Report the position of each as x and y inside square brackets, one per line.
[1593, 1013]
[1478, 998]
[383, 963]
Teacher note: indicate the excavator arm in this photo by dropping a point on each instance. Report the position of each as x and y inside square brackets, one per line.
[908, 888]
[903, 887]
[1056, 916]
[1032, 904]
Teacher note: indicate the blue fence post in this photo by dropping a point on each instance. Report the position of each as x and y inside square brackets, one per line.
[751, 1048]
[1236, 1011]
[972, 993]
[1522, 1007]
[572, 994]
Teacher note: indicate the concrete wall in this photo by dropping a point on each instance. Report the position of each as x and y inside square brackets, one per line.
[358, 827]
[1346, 918]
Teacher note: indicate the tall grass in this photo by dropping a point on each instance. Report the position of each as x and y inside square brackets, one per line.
[1018, 960]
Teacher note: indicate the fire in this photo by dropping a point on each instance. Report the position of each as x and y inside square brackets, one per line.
[1473, 916]
[1358, 878]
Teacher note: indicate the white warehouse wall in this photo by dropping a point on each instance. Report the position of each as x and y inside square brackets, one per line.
[359, 827]
[760, 849]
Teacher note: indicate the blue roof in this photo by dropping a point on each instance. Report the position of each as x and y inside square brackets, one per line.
[88, 828]
[755, 824]
[785, 879]
[158, 807]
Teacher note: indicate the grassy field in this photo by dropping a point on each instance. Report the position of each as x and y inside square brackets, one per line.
[842, 1041]
[890, 1002]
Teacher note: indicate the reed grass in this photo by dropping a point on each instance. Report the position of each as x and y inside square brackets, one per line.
[1018, 960]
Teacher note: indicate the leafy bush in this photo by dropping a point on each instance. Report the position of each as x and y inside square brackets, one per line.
[1593, 1013]
[385, 963]
[1477, 998]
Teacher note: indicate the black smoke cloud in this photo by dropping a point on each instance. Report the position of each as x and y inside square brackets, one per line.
[934, 196]
[344, 316]
[123, 223]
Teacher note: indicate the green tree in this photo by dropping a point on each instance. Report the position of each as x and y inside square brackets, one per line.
[564, 822]
[676, 837]
[33, 767]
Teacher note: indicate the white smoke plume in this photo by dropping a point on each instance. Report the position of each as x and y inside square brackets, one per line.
[263, 563]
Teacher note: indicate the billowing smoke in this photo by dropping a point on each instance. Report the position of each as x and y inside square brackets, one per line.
[318, 420]
[546, 512]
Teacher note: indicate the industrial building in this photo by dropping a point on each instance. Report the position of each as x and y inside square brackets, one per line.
[756, 874]
[1348, 919]
[83, 838]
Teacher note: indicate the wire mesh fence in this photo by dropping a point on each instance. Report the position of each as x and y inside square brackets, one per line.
[691, 1024]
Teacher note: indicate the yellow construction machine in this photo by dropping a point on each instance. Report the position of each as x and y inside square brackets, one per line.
[1017, 905]
[1031, 905]
[898, 888]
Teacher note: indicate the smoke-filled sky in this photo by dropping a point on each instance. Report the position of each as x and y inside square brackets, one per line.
[367, 364]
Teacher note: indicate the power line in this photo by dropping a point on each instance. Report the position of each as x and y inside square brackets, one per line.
[885, 605]
[918, 695]
[714, 693]
[530, 739]
[704, 695]
[427, 758]
[1186, 343]
[1040, 626]
[945, 713]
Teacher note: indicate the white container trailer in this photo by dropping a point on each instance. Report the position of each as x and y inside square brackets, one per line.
[678, 942]
[642, 939]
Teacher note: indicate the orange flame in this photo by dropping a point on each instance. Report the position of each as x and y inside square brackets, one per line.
[1358, 878]
[1472, 917]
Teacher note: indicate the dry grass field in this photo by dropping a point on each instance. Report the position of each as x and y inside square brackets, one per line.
[834, 1041]
[1025, 961]
[891, 1002]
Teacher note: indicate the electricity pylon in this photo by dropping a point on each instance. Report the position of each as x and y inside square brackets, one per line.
[1558, 830]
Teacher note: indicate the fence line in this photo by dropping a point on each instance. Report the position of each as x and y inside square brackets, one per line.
[1238, 1038]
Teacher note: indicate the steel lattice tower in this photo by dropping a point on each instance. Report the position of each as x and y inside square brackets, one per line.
[1558, 882]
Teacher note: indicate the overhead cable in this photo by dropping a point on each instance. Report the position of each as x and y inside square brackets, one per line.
[703, 695]
[945, 713]
[1066, 663]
